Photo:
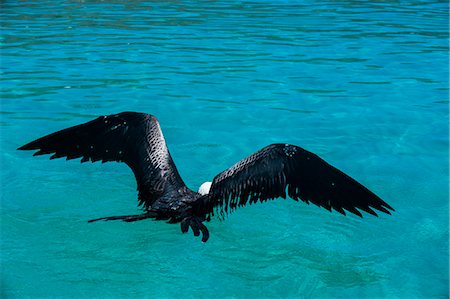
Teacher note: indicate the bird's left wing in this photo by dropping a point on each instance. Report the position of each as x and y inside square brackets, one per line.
[130, 137]
[277, 168]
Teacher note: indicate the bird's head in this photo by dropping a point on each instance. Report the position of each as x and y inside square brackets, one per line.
[204, 188]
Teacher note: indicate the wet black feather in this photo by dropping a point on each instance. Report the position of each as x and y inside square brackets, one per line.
[124, 137]
[267, 174]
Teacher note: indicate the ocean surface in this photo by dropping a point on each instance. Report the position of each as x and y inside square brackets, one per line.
[364, 84]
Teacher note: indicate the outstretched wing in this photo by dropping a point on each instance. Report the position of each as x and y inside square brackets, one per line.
[130, 137]
[268, 173]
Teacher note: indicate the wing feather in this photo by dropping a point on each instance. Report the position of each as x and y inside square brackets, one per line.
[133, 138]
[277, 168]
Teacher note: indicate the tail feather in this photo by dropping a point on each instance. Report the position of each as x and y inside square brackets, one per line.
[127, 218]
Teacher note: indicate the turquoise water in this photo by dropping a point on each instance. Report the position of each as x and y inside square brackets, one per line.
[363, 84]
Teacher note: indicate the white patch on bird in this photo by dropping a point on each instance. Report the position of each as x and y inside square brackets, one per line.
[204, 188]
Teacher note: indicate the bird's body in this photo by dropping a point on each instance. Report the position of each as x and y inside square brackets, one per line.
[137, 140]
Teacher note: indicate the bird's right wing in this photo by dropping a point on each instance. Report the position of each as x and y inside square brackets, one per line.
[268, 173]
[130, 137]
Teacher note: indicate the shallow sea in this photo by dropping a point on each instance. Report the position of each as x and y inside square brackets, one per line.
[364, 84]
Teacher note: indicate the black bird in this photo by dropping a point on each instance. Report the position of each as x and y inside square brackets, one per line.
[277, 170]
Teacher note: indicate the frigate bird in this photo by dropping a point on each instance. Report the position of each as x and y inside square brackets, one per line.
[277, 170]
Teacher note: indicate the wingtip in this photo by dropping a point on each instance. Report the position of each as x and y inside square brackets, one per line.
[385, 209]
[382, 206]
[29, 146]
[23, 148]
[389, 207]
